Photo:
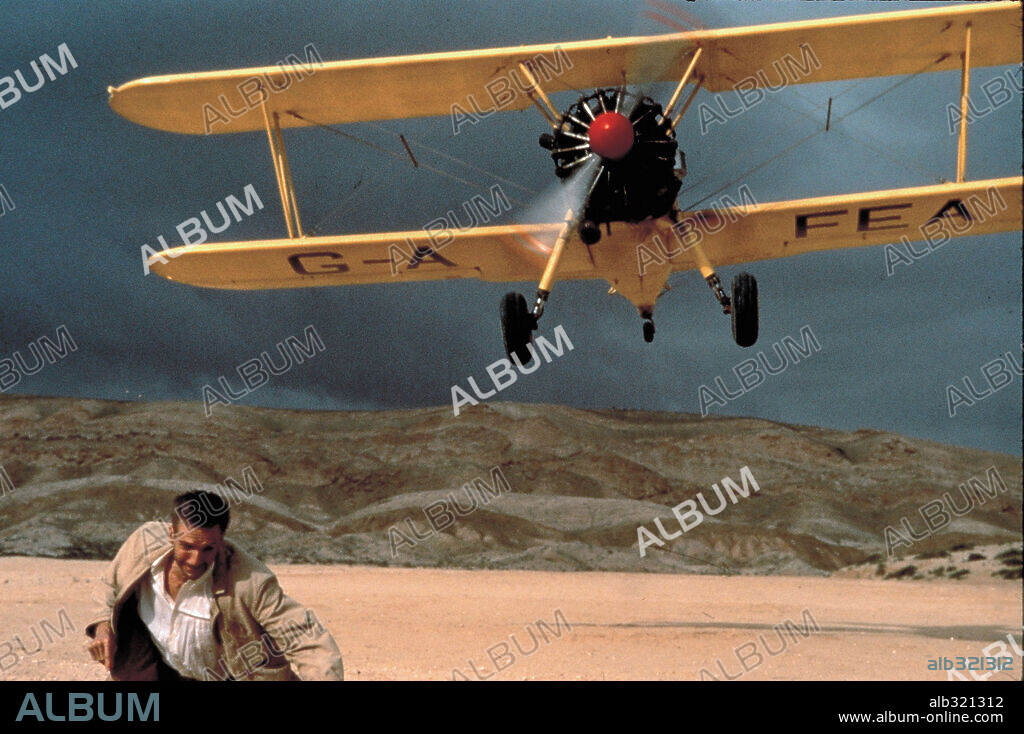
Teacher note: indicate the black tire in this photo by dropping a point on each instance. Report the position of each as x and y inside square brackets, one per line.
[517, 327]
[744, 309]
[648, 331]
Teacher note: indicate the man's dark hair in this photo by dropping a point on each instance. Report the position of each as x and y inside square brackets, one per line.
[201, 509]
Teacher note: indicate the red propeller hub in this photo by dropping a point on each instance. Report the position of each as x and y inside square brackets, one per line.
[611, 135]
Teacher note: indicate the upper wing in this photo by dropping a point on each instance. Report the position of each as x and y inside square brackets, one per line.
[502, 253]
[424, 85]
[781, 229]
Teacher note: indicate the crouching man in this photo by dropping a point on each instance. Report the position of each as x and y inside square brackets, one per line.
[179, 602]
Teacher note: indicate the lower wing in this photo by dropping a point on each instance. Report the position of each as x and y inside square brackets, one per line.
[501, 253]
[726, 236]
[740, 234]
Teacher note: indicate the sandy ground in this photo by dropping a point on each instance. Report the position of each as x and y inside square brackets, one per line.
[426, 623]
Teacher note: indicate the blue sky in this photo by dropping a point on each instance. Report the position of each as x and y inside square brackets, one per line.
[90, 188]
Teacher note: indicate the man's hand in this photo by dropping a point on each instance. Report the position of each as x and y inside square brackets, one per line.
[103, 646]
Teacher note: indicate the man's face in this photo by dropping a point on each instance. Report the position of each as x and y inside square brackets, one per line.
[194, 548]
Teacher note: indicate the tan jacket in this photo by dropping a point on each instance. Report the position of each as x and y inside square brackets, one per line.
[259, 632]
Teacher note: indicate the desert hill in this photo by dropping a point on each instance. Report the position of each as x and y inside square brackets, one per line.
[579, 484]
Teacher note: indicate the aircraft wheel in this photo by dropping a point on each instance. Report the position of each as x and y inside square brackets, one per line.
[744, 309]
[648, 331]
[517, 325]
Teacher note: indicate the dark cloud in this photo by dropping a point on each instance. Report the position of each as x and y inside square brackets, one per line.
[90, 188]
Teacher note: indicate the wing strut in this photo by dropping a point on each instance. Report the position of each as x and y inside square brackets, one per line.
[965, 83]
[682, 83]
[284, 174]
[686, 106]
[550, 114]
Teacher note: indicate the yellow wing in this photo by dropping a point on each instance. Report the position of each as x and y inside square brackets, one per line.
[424, 85]
[501, 253]
[635, 258]
[931, 214]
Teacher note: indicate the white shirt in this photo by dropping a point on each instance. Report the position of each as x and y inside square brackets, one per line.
[181, 628]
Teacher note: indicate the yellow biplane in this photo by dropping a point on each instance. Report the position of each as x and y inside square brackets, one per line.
[617, 148]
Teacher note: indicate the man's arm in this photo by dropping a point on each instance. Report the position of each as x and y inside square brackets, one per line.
[306, 643]
[104, 644]
[130, 555]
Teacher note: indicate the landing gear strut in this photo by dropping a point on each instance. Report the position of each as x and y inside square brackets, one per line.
[716, 287]
[518, 322]
[743, 304]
